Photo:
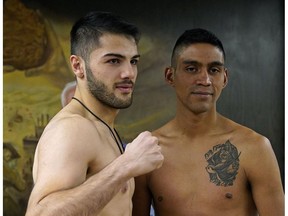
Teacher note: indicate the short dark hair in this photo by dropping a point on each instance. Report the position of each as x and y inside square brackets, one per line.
[86, 32]
[193, 36]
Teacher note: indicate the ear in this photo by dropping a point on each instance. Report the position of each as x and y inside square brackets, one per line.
[225, 78]
[169, 75]
[77, 65]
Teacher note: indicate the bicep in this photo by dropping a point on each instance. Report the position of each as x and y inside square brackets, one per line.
[61, 165]
[142, 197]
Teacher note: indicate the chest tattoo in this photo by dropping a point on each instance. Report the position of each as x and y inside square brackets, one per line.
[223, 164]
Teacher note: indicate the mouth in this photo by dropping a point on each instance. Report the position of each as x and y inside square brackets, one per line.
[201, 93]
[125, 87]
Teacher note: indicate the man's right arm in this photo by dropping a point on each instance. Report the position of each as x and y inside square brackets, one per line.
[61, 187]
[88, 198]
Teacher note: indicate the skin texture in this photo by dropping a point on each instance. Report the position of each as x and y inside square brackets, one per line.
[78, 168]
[213, 166]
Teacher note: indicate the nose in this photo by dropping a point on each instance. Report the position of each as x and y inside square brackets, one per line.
[129, 71]
[204, 78]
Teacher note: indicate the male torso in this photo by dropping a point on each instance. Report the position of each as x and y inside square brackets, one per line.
[96, 148]
[202, 174]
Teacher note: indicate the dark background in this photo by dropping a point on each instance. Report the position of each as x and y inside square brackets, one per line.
[252, 33]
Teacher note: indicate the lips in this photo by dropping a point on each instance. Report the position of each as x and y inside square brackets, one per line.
[125, 87]
[202, 93]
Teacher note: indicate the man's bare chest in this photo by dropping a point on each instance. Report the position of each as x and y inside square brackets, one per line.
[205, 176]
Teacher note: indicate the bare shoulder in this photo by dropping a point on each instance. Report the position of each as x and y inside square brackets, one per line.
[67, 139]
[247, 137]
[67, 129]
[255, 148]
[69, 125]
[164, 130]
[69, 121]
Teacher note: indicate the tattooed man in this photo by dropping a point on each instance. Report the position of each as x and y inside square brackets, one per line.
[213, 166]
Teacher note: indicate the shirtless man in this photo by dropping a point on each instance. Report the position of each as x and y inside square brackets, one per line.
[213, 166]
[80, 167]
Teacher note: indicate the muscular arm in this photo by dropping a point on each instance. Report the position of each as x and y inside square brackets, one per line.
[88, 198]
[263, 174]
[61, 187]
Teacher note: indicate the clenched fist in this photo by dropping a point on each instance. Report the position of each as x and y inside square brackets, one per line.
[143, 154]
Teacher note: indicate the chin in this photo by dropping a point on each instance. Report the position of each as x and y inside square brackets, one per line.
[200, 110]
[123, 104]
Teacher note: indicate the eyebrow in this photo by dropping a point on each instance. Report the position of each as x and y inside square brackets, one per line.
[119, 55]
[187, 62]
[215, 63]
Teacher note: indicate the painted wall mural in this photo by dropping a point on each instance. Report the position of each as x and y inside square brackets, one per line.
[35, 71]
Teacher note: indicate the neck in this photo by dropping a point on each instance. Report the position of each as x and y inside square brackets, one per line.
[113, 132]
[191, 123]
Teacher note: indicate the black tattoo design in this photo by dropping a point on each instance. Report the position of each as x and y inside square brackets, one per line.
[223, 164]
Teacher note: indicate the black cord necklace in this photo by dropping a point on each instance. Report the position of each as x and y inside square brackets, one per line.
[120, 145]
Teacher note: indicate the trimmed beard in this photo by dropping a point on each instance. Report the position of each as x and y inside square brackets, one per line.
[101, 92]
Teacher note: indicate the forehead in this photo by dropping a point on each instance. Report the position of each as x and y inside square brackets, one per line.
[113, 43]
[202, 52]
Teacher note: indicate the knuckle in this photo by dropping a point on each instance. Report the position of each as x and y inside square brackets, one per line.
[155, 139]
[147, 133]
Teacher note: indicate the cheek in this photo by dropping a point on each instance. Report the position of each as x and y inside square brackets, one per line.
[184, 79]
[219, 83]
[135, 74]
[181, 84]
[183, 88]
[218, 90]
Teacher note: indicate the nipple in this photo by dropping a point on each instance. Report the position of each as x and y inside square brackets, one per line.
[124, 188]
[229, 195]
[160, 198]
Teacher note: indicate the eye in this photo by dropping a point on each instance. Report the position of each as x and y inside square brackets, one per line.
[114, 61]
[214, 70]
[191, 69]
[134, 61]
